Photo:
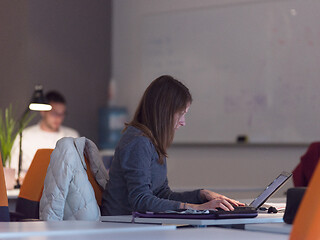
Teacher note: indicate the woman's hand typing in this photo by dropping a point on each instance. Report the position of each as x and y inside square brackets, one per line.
[214, 200]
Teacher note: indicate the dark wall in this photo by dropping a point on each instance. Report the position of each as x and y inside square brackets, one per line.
[63, 45]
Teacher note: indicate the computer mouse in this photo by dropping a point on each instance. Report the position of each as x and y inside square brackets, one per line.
[272, 210]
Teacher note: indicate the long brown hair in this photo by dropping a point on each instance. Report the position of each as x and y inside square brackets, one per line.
[155, 113]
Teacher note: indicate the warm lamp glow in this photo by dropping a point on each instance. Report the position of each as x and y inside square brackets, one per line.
[37, 103]
[40, 107]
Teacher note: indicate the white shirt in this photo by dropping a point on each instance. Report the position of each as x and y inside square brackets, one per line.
[34, 138]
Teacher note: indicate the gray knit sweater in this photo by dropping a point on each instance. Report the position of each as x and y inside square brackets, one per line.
[138, 182]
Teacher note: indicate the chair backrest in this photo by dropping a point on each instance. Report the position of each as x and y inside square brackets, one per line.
[4, 209]
[32, 186]
[307, 220]
[96, 187]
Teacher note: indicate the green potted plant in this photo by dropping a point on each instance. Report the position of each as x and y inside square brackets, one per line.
[9, 129]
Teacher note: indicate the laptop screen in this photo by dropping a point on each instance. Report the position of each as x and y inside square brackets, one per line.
[270, 189]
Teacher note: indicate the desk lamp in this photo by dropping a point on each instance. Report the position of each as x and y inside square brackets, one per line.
[37, 103]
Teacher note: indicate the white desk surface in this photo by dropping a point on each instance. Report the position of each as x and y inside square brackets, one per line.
[181, 234]
[56, 228]
[261, 218]
[282, 228]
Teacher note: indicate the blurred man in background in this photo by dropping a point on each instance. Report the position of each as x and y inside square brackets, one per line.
[45, 134]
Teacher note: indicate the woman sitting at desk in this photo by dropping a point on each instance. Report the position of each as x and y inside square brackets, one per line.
[138, 174]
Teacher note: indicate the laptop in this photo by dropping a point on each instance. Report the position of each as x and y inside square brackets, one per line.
[270, 190]
[249, 211]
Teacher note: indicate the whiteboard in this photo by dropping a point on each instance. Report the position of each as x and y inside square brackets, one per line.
[253, 69]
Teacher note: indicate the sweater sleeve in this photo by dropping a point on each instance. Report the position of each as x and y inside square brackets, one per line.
[136, 162]
[304, 171]
[297, 176]
[187, 196]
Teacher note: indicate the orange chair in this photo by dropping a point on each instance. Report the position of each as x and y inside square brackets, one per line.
[32, 186]
[4, 209]
[307, 220]
[96, 187]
